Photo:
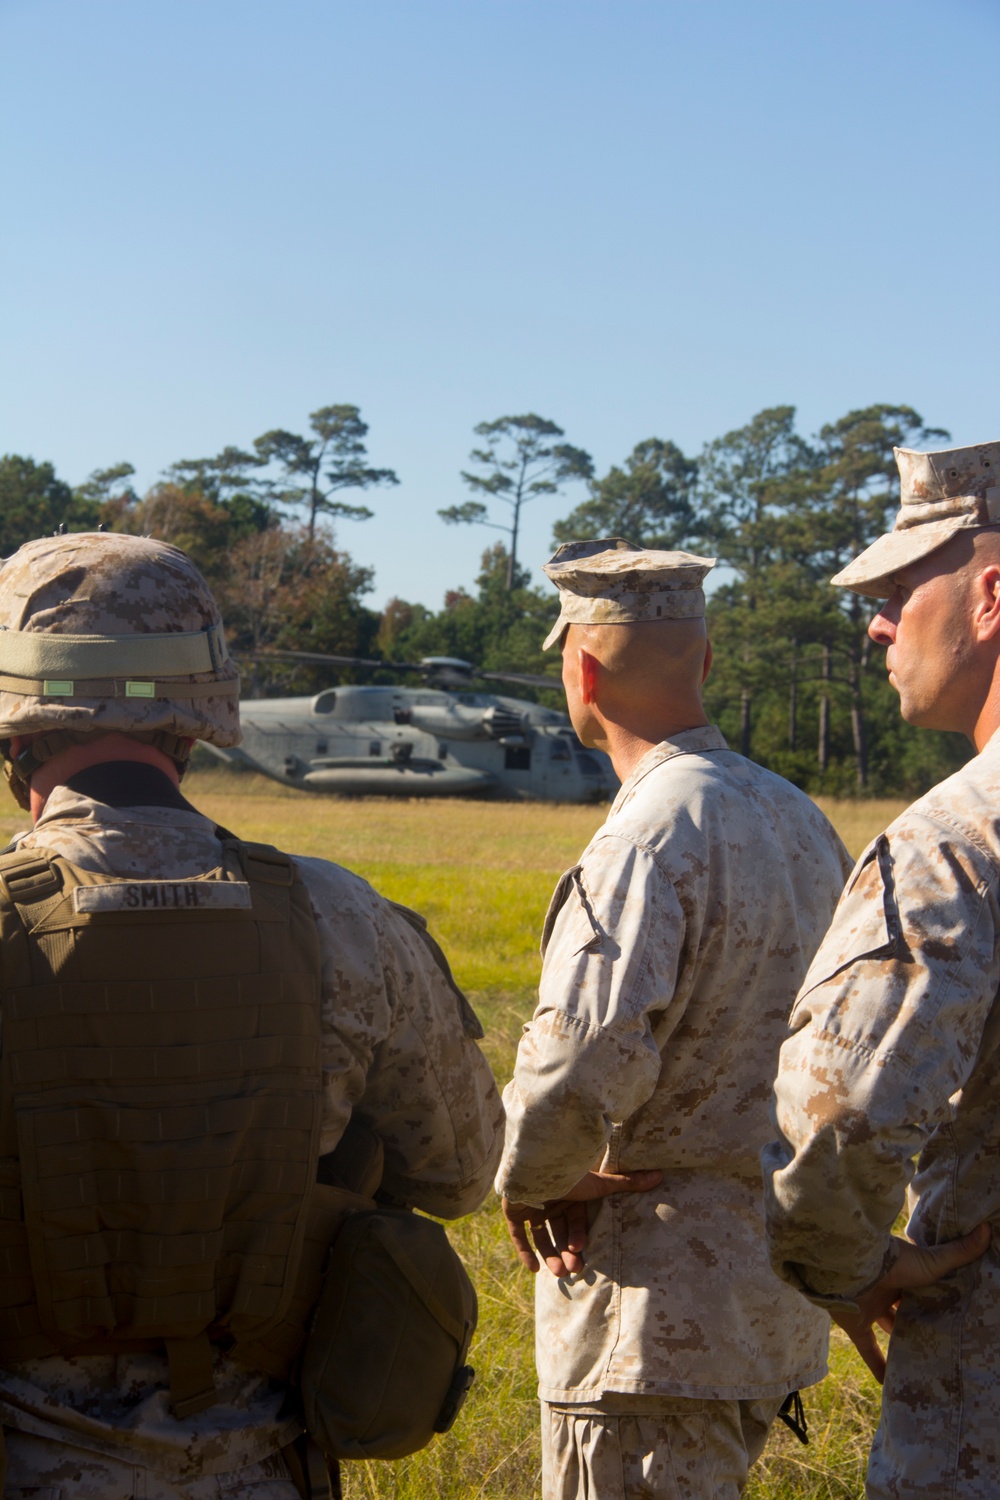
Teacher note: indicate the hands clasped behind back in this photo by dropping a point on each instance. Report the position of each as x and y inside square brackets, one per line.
[558, 1228]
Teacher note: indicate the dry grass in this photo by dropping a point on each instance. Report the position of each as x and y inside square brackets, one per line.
[859, 822]
[385, 830]
[489, 836]
[449, 831]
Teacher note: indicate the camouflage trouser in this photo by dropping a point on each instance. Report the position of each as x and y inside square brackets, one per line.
[38, 1469]
[652, 1448]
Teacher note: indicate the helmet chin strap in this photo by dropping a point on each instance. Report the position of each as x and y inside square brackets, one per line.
[19, 789]
[19, 769]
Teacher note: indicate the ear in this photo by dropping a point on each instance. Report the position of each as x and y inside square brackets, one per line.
[589, 666]
[987, 612]
[707, 666]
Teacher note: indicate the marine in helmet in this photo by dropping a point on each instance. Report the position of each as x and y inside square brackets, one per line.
[188, 1024]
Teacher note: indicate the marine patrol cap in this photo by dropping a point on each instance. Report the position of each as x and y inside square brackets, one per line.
[612, 582]
[103, 632]
[942, 493]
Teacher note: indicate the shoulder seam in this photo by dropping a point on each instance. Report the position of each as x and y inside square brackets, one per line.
[969, 834]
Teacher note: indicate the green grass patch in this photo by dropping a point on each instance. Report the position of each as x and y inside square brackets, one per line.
[487, 921]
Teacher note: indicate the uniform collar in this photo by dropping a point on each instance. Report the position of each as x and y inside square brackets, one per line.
[128, 783]
[687, 742]
[65, 804]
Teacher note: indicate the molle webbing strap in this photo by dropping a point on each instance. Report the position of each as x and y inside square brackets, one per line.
[62, 688]
[192, 1386]
[161, 1098]
[347, 1177]
[276, 1352]
[43, 654]
[263, 863]
[33, 879]
[316, 1475]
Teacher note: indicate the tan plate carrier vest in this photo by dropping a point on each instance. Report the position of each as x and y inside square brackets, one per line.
[160, 1100]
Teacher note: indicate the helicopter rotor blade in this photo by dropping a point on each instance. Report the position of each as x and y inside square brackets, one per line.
[323, 658]
[425, 668]
[522, 679]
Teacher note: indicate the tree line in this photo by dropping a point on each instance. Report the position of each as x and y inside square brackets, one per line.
[797, 684]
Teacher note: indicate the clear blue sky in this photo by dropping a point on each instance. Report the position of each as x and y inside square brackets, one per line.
[636, 218]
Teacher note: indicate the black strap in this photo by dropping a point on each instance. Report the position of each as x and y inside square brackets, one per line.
[793, 1414]
[192, 1386]
[316, 1475]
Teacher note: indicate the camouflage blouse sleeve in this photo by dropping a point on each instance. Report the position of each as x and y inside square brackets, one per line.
[588, 1058]
[400, 1048]
[430, 1092]
[884, 1035]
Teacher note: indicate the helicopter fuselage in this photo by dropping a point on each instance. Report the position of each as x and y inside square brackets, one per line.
[415, 742]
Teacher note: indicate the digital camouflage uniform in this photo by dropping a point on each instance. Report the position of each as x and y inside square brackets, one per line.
[672, 952]
[895, 1055]
[889, 1086]
[398, 1046]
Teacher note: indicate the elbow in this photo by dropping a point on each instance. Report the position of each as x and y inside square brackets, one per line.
[447, 1200]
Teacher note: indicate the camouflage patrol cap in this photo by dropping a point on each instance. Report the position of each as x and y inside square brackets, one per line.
[612, 582]
[103, 632]
[952, 490]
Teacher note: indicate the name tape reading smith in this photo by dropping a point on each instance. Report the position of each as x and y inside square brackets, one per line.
[162, 895]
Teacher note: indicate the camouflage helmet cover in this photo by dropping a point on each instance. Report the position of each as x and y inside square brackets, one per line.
[103, 632]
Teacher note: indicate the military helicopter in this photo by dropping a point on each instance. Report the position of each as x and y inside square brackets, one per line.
[440, 739]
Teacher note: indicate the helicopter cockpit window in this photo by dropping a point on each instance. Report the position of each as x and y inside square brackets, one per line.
[375, 747]
[325, 703]
[559, 749]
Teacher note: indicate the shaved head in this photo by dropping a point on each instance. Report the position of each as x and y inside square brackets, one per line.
[635, 684]
[649, 657]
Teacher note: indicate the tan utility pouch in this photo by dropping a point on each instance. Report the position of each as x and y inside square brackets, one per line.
[384, 1365]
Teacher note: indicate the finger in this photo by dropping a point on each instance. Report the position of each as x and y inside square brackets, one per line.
[577, 1226]
[516, 1228]
[562, 1258]
[525, 1254]
[867, 1346]
[541, 1237]
[550, 1243]
[603, 1184]
[921, 1265]
[863, 1338]
[880, 1311]
[564, 1264]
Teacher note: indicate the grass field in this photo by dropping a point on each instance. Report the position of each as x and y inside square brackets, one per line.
[482, 873]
